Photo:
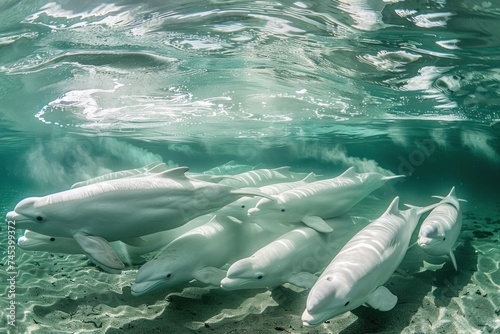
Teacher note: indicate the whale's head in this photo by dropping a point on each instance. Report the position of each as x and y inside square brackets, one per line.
[330, 296]
[433, 240]
[162, 273]
[36, 241]
[245, 274]
[238, 209]
[273, 210]
[27, 214]
[40, 242]
[36, 214]
[430, 235]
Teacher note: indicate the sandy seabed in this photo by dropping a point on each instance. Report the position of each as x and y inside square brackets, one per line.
[58, 293]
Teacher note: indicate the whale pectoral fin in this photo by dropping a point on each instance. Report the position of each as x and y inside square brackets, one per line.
[382, 299]
[317, 223]
[136, 242]
[210, 275]
[426, 266]
[303, 279]
[453, 260]
[99, 251]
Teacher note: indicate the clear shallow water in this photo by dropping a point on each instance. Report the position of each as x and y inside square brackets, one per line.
[411, 87]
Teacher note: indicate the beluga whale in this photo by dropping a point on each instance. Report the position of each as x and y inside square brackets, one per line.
[122, 209]
[440, 229]
[128, 254]
[294, 257]
[357, 273]
[239, 208]
[316, 201]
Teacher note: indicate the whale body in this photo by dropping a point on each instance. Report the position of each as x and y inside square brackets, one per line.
[357, 273]
[316, 201]
[128, 254]
[441, 228]
[122, 209]
[292, 258]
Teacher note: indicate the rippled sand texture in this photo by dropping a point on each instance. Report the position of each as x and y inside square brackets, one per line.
[64, 294]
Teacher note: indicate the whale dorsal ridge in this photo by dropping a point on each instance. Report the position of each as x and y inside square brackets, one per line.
[174, 173]
[282, 169]
[393, 208]
[350, 172]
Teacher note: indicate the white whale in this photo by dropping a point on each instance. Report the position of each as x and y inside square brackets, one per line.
[199, 254]
[292, 258]
[318, 200]
[128, 254]
[239, 208]
[152, 168]
[440, 229]
[122, 209]
[356, 275]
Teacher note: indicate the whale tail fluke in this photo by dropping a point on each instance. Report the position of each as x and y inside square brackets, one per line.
[392, 177]
[413, 244]
[421, 210]
[451, 194]
[453, 260]
[443, 197]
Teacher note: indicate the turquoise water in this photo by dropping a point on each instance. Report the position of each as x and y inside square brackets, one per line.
[412, 87]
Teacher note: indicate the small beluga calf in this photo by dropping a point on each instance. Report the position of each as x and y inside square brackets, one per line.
[316, 201]
[357, 273]
[294, 257]
[441, 228]
[122, 209]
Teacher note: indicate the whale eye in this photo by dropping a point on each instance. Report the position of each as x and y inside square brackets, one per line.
[444, 238]
[259, 277]
[282, 210]
[243, 206]
[52, 239]
[346, 304]
[39, 218]
[169, 275]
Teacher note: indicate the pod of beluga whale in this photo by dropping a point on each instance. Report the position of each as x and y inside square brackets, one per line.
[239, 227]
[142, 204]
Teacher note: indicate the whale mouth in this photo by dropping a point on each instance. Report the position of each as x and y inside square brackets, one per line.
[309, 321]
[426, 242]
[16, 219]
[144, 288]
[254, 212]
[234, 284]
[26, 243]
